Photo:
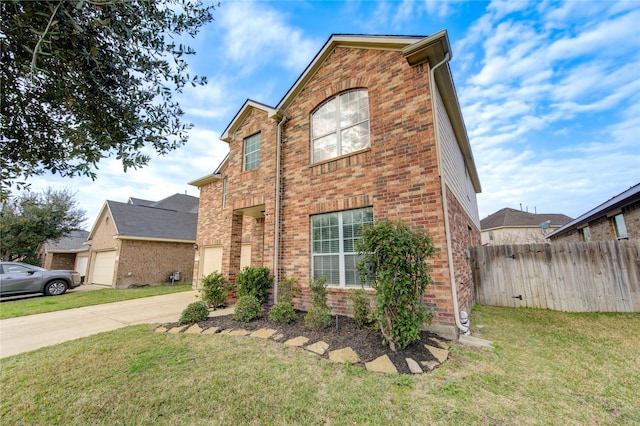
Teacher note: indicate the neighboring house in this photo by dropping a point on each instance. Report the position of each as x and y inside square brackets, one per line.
[616, 219]
[371, 131]
[511, 226]
[68, 253]
[143, 242]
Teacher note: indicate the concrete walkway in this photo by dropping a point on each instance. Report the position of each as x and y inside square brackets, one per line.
[23, 334]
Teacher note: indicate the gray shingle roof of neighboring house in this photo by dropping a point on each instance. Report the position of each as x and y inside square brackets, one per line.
[72, 243]
[178, 202]
[508, 217]
[621, 200]
[140, 201]
[139, 221]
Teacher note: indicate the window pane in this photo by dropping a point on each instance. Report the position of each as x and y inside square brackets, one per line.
[354, 108]
[352, 277]
[620, 226]
[325, 148]
[355, 138]
[329, 266]
[324, 119]
[252, 152]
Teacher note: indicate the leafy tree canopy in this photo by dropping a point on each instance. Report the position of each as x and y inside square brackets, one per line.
[31, 219]
[81, 80]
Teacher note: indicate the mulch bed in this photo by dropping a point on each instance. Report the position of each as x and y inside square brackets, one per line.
[366, 342]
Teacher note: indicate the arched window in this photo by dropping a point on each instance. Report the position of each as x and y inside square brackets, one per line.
[340, 126]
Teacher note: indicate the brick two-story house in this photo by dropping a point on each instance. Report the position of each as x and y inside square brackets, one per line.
[371, 130]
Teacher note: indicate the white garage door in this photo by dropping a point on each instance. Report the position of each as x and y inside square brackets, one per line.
[211, 260]
[103, 268]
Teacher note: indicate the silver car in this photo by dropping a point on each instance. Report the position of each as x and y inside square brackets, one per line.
[20, 278]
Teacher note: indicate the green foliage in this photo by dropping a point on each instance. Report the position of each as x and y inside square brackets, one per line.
[319, 316]
[194, 312]
[282, 313]
[360, 308]
[254, 282]
[86, 80]
[394, 263]
[32, 218]
[214, 289]
[247, 309]
[287, 290]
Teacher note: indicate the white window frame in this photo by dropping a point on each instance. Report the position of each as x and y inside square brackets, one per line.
[341, 253]
[246, 156]
[338, 129]
[585, 233]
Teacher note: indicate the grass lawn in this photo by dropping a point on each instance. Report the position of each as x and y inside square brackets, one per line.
[546, 368]
[38, 305]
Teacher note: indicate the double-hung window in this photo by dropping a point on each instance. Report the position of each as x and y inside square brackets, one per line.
[340, 126]
[585, 234]
[252, 152]
[333, 237]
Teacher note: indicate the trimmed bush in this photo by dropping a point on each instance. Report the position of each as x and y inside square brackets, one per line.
[254, 282]
[319, 316]
[214, 289]
[247, 309]
[282, 313]
[360, 307]
[194, 312]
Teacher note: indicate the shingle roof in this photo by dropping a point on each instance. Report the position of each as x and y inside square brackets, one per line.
[72, 243]
[139, 221]
[140, 201]
[623, 199]
[508, 217]
[178, 202]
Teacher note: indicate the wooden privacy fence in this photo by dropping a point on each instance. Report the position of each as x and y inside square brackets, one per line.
[600, 276]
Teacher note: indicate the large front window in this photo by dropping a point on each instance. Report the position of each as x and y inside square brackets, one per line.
[252, 152]
[340, 126]
[333, 238]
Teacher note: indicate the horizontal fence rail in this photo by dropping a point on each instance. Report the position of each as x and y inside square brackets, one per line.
[599, 276]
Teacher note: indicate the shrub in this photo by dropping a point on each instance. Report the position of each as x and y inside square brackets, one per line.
[214, 289]
[254, 282]
[194, 312]
[286, 290]
[394, 262]
[247, 309]
[319, 316]
[282, 313]
[360, 307]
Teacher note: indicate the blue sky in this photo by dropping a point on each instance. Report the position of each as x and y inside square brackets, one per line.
[550, 93]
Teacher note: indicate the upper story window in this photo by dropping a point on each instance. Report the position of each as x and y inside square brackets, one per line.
[252, 152]
[340, 126]
[620, 227]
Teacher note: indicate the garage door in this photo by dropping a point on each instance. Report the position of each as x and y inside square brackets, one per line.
[81, 265]
[211, 260]
[103, 267]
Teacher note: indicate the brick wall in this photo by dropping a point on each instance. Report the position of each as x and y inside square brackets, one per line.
[397, 176]
[632, 220]
[152, 262]
[64, 261]
[246, 189]
[602, 228]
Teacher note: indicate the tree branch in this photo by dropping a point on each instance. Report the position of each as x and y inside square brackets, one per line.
[37, 48]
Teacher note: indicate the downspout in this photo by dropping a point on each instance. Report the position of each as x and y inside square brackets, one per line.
[443, 190]
[276, 238]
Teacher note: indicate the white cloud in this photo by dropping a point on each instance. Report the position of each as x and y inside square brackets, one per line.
[256, 34]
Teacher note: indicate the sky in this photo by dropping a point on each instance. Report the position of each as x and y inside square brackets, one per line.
[549, 91]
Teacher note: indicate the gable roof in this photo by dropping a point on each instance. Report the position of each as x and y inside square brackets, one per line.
[416, 49]
[178, 202]
[71, 243]
[213, 177]
[512, 218]
[144, 222]
[625, 198]
[140, 201]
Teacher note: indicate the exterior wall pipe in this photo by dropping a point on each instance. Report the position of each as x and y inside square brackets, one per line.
[276, 231]
[445, 208]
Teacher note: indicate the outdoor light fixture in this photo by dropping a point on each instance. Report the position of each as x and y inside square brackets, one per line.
[195, 246]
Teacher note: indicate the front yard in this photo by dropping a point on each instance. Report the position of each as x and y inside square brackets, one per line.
[546, 368]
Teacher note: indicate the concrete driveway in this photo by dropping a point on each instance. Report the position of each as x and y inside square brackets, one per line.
[23, 334]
